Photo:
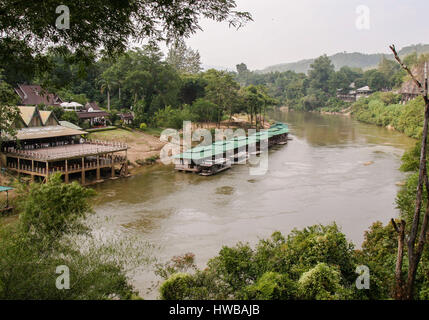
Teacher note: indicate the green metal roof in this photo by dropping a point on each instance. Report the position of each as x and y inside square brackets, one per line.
[222, 146]
[2, 189]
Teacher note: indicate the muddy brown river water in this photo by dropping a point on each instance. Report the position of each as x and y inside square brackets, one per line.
[334, 169]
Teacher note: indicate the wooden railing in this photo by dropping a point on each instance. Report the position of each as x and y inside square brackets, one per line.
[108, 146]
[103, 162]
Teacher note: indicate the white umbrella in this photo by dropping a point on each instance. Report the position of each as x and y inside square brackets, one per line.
[75, 104]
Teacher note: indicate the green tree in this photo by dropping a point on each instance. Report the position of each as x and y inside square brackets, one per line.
[51, 232]
[183, 58]
[9, 113]
[314, 263]
[54, 209]
[106, 83]
[320, 75]
[192, 88]
[322, 282]
[26, 36]
[221, 90]
[204, 110]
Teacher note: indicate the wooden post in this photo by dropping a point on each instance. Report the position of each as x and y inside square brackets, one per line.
[126, 162]
[113, 167]
[83, 171]
[19, 168]
[32, 170]
[98, 168]
[66, 176]
[47, 169]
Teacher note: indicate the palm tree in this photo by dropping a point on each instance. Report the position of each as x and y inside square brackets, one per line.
[106, 85]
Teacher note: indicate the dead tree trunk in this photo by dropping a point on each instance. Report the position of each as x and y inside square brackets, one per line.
[414, 254]
[399, 285]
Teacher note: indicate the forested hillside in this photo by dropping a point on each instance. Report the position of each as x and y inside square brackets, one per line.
[352, 60]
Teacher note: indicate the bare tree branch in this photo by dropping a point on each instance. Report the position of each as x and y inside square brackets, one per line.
[413, 254]
[405, 67]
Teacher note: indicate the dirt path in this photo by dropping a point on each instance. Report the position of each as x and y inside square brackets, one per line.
[142, 145]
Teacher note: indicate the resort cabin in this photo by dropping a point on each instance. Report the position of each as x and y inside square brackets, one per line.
[347, 95]
[353, 94]
[126, 118]
[409, 90]
[43, 146]
[93, 115]
[363, 92]
[33, 95]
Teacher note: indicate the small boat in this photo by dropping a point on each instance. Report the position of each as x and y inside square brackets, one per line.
[212, 167]
[255, 153]
[240, 157]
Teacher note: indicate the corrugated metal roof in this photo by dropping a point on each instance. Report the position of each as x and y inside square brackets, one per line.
[70, 125]
[92, 114]
[2, 188]
[47, 132]
[220, 147]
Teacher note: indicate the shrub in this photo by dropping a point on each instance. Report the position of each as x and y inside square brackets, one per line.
[382, 109]
[321, 283]
[272, 286]
[177, 287]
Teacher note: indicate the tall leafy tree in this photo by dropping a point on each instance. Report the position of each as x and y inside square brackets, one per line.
[320, 75]
[222, 90]
[29, 28]
[8, 111]
[183, 58]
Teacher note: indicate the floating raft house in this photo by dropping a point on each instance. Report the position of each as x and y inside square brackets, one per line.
[199, 158]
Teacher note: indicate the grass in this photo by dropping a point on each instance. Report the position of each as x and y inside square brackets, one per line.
[153, 131]
[125, 134]
[117, 135]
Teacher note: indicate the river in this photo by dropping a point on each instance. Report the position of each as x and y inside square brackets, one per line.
[334, 169]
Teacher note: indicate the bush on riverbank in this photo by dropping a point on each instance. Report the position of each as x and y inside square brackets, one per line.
[383, 109]
[314, 263]
[52, 232]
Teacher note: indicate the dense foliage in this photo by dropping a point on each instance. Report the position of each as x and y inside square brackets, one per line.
[8, 113]
[29, 28]
[384, 109]
[51, 232]
[351, 59]
[318, 89]
[315, 263]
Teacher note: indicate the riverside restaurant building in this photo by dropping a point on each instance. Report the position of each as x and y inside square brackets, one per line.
[43, 146]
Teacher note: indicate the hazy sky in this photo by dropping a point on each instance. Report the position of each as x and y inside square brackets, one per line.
[290, 30]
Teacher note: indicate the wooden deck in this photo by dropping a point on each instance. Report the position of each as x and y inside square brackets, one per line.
[70, 159]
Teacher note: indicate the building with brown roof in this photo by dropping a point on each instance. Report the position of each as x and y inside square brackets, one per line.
[409, 89]
[43, 146]
[33, 95]
[127, 118]
[93, 114]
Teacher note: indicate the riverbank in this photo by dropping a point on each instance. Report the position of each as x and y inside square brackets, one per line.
[142, 145]
[145, 145]
[385, 110]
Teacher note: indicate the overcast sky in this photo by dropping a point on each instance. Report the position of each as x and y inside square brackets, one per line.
[291, 30]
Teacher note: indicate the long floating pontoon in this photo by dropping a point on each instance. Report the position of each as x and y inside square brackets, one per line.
[221, 155]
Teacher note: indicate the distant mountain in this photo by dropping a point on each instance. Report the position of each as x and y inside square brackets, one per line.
[353, 60]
